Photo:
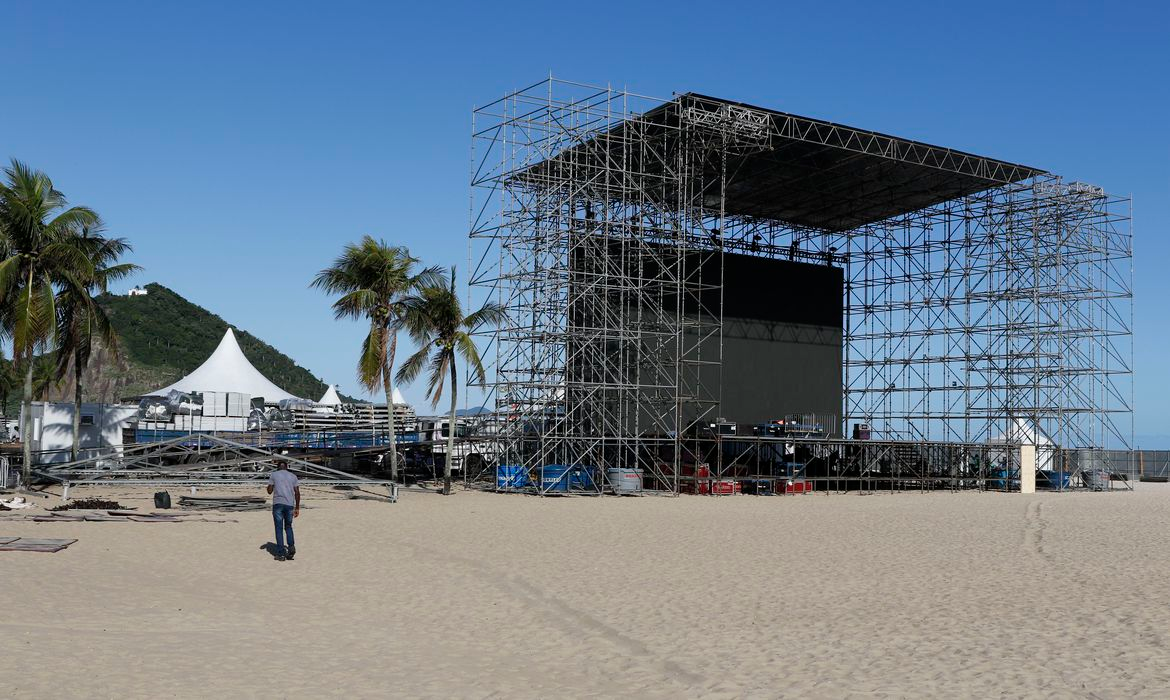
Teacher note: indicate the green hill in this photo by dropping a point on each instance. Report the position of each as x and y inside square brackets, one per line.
[164, 337]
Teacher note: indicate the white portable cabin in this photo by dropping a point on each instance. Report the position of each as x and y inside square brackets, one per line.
[52, 430]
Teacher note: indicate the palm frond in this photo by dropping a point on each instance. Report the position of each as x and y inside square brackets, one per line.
[114, 273]
[70, 222]
[371, 363]
[355, 304]
[413, 367]
[490, 314]
[465, 346]
[430, 277]
[440, 361]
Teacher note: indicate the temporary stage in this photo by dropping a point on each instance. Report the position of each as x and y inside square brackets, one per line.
[974, 293]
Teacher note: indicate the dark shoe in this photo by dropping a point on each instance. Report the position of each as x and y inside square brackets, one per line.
[292, 552]
[279, 557]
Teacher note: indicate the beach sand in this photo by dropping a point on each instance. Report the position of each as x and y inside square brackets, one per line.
[492, 595]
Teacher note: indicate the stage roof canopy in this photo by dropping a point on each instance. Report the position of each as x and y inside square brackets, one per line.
[802, 171]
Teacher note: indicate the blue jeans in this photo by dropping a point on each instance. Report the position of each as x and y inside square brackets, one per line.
[282, 516]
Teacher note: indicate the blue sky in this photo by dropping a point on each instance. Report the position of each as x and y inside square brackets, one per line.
[239, 145]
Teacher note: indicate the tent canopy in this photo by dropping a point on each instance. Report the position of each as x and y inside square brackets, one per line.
[330, 398]
[228, 370]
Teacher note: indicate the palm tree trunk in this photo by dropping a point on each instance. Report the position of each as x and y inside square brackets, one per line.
[76, 405]
[388, 386]
[389, 389]
[450, 436]
[26, 413]
[26, 418]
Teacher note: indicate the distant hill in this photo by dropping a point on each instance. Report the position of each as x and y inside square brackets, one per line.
[163, 337]
[475, 411]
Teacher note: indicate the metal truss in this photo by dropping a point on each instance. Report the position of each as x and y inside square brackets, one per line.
[861, 465]
[1005, 315]
[197, 460]
[1002, 316]
[597, 262]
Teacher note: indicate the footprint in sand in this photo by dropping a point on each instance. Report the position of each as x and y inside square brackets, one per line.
[1035, 525]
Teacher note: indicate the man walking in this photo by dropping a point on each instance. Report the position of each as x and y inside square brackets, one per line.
[286, 505]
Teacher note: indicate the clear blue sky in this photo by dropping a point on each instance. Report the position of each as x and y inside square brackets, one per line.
[239, 145]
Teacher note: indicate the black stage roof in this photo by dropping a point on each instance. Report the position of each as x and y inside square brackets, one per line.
[806, 172]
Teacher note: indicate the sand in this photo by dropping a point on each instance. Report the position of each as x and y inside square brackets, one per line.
[483, 595]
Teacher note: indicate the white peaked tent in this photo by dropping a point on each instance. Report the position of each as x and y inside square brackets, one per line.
[228, 370]
[330, 398]
[1026, 433]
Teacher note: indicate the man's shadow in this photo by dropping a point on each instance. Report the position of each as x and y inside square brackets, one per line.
[271, 548]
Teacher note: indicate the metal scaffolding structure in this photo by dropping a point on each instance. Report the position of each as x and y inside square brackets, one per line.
[984, 301]
[200, 459]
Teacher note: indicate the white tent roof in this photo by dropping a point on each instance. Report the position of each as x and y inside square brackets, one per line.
[330, 398]
[1022, 431]
[1025, 432]
[228, 370]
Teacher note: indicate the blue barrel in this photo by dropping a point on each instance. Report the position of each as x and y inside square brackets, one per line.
[1001, 481]
[511, 476]
[582, 478]
[1050, 479]
[554, 478]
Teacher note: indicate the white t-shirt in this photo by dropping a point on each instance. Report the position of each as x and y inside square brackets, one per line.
[283, 482]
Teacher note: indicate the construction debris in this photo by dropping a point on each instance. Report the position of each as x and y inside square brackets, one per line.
[198, 460]
[16, 503]
[29, 544]
[223, 502]
[90, 504]
[111, 516]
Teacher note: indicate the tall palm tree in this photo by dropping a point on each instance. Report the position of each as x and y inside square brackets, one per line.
[9, 381]
[45, 378]
[375, 280]
[39, 255]
[434, 318]
[81, 319]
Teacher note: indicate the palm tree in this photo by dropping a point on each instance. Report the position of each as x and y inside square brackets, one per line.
[39, 255]
[81, 319]
[45, 377]
[374, 280]
[436, 323]
[9, 383]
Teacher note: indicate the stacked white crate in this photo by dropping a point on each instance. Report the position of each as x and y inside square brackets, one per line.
[214, 403]
[238, 405]
[210, 423]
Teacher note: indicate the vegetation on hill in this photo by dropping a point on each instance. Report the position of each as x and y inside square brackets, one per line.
[164, 337]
